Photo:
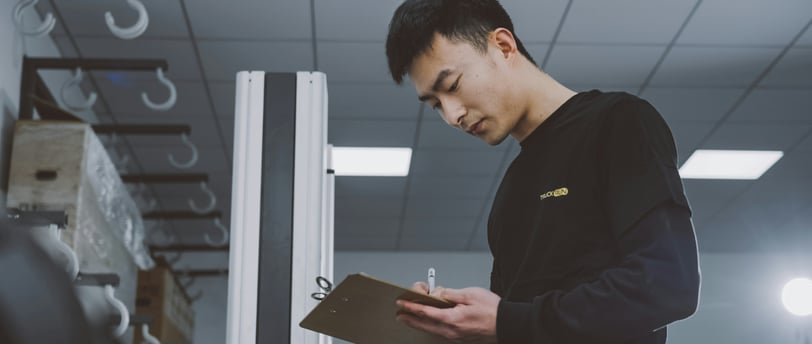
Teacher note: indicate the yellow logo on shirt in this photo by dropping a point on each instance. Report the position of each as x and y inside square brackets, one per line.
[560, 192]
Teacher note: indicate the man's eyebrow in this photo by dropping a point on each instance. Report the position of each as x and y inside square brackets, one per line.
[441, 76]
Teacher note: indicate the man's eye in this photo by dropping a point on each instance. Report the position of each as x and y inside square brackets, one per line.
[454, 86]
[436, 106]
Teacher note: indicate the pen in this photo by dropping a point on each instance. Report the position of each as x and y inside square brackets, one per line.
[431, 280]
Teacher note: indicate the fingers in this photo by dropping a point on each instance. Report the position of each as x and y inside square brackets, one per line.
[421, 287]
[423, 324]
[438, 292]
[458, 296]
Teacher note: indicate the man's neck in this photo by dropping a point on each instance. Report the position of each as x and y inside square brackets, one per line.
[544, 96]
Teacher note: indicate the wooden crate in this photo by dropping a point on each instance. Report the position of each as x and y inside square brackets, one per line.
[160, 295]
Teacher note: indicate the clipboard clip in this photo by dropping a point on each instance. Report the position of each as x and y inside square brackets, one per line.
[324, 285]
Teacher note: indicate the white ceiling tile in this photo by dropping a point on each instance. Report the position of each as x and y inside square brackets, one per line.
[620, 21]
[176, 196]
[436, 233]
[365, 243]
[155, 160]
[794, 164]
[450, 187]
[806, 39]
[356, 227]
[354, 62]
[250, 19]
[64, 45]
[87, 17]
[793, 70]
[368, 207]
[471, 163]
[748, 22]
[369, 133]
[411, 242]
[438, 134]
[775, 105]
[806, 144]
[444, 207]
[535, 21]
[615, 65]
[688, 135]
[537, 51]
[369, 186]
[692, 104]
[223, 95]
[123, 95]
[708, 196]
[479, 240]
[769, 203]
[356, 101]
[179, 54]
[354, 19]
[713, 66]
[223, 59]
[770, 136]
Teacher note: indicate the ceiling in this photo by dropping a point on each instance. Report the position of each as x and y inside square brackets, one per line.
[726, 74]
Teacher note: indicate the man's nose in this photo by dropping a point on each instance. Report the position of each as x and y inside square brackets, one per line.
[454, 112]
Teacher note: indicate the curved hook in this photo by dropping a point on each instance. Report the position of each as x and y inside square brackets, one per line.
[17, 16]
[173, 94]
[169, 239]
[125, 314]
[223, 231]
[189, 283]
[133, 31]
[147, 336]
[75, 80]
[212, 200]
[191, 161]
[174, 259]
[196, 296]
[72, 266]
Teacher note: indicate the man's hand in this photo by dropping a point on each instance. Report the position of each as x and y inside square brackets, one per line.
[472, 320]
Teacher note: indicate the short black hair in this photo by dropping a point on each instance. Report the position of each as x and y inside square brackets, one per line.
[412, 29]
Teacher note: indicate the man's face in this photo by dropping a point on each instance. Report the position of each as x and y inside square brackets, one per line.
[468, 88]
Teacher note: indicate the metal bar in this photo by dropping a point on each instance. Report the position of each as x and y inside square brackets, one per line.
[143, 129]
[97, 280]
[49, 110]
[203, 273]
[37, 217]
[182, 215]
[188, 248]
[165, 178]
[98, 64]
[27, 88]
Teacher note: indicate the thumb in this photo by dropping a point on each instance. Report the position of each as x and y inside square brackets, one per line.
[458, 296]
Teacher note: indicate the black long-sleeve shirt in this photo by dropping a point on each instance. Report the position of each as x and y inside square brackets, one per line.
[590, 229]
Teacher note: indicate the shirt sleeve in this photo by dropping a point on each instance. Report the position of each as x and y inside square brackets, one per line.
[656, 283]
[638, 163]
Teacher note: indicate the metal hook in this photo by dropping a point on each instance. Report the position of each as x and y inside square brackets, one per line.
[72, 266]
[196, 296]
[169, 239]
[173, 94]
[174, 259]
[224, 235]
[191, 161]
[74, 81]
[125, 314]
[190, 282]
[17, 16]
[147, 336]
[212, 200]
[133, 31]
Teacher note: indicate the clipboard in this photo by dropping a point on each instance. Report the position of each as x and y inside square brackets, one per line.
[361, 309]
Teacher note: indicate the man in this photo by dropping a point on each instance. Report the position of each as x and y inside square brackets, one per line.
[590, 229]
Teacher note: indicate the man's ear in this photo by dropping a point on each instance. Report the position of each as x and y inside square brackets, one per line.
[504, 42]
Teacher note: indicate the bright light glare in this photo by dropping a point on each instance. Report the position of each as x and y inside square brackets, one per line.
[729, 164]
[797, 296]
[369, 161]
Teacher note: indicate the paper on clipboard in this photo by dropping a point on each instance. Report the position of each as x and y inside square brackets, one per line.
[361, 309]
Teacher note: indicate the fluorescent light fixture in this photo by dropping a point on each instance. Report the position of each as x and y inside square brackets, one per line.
[797, 296]
[371, 161]
[729, 164]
